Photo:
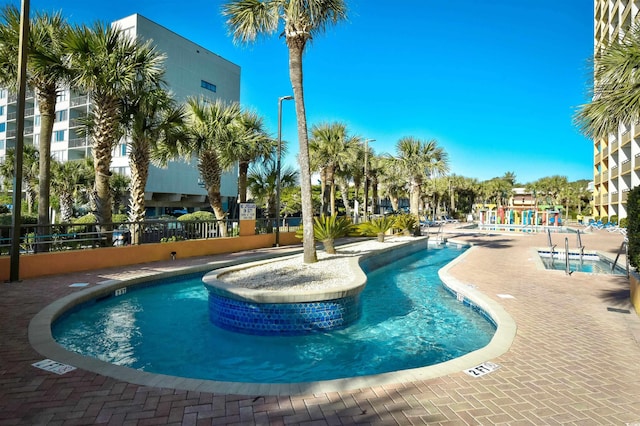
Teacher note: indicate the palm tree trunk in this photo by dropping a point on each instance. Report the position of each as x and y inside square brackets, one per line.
[331, 194]
[47, 106]
[243, 169]
[296, 47]
[212, 176]
[106, 111]
[344, 191]
[139, 164]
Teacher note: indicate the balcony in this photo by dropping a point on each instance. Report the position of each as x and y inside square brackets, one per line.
[79, 100]
[614, 197]
[626, 167]
[626, 138]
[597, 158]
[77, 121]
[614, 145]
[78, 142]
[613, 172]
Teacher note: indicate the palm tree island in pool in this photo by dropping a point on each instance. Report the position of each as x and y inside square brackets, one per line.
[302, 20]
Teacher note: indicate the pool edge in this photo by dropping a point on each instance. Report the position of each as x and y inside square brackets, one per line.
[41, 339]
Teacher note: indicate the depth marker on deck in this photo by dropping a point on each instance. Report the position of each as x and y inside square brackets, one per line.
[53, 366]
[482, 369]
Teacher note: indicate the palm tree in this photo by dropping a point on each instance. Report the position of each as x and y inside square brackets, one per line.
[209, 134]
[392, 181]
[46, 74]
[330, 150]
[261, 183]
[251, 143]
[151, 118]
[302, 20]
[107, 64]
[420, 161]
[119, 191]
[615, 91]
[29, 172]
[69, 180]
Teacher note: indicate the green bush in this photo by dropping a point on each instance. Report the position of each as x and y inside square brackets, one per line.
[623, 222]
[613, 218]
[378, 226]
[199, 215]
[604, 219]
[633, 226]
[327, 228]
[406, 223]
[119, 218]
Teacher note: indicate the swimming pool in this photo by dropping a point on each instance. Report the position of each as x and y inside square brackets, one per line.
[590, 263]
[165, 329]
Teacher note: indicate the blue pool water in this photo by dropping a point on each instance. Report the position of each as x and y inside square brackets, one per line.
[409, 320]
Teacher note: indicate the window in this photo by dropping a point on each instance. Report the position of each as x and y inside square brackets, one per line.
[207, 85]
[58, 136]
[36, 120]
[1, 143]
[61, 115]
[3, 127]
[3, 93]
[2, 110]
[62, 96]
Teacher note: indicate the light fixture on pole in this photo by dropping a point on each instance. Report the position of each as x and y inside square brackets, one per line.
[278, 167]
[366, 176]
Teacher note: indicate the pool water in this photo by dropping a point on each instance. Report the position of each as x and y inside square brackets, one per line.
[409, 320]
[590, 263]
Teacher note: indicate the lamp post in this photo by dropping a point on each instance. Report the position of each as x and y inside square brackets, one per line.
[366, 176]
[278, 167]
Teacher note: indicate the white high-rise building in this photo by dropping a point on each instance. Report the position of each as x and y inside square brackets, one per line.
[191, 70]
[616, 161]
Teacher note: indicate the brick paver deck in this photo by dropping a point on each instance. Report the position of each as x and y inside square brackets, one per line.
[573, 361]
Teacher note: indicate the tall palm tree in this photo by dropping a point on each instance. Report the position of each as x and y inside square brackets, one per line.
[46, 75]
[330, 150]
[68, 181]
[106, 64]
[392, 181]
[302, 20]
[262, 181]
[151, 118]
[251, 143]
[420, 160]
[616, 93]
[209, 134]
[29, 172]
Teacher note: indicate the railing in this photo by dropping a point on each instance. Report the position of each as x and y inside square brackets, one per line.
[70, 236]
[78, 142]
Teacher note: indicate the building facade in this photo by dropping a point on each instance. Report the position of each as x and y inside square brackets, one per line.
[191, 70]
[616, 158]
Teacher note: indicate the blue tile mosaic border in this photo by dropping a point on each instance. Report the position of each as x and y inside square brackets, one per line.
[468, 303]
[288, 319]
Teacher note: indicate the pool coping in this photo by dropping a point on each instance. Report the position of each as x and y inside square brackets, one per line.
[42, 341]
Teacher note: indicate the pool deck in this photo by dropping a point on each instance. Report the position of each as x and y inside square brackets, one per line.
[575, 359]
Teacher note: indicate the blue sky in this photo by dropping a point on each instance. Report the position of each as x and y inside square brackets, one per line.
[495, 82]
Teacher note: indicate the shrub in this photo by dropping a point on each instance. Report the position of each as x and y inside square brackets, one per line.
[604, 219]
[199, 215]
[327, 228]
[623, 222]
[119, 218]
[378, 226]
[613, 218]
[633, 226]
[406, 223]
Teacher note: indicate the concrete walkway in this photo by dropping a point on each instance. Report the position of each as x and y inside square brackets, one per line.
[575, 359]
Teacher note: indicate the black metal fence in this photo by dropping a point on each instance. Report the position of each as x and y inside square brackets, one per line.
[75, 236]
